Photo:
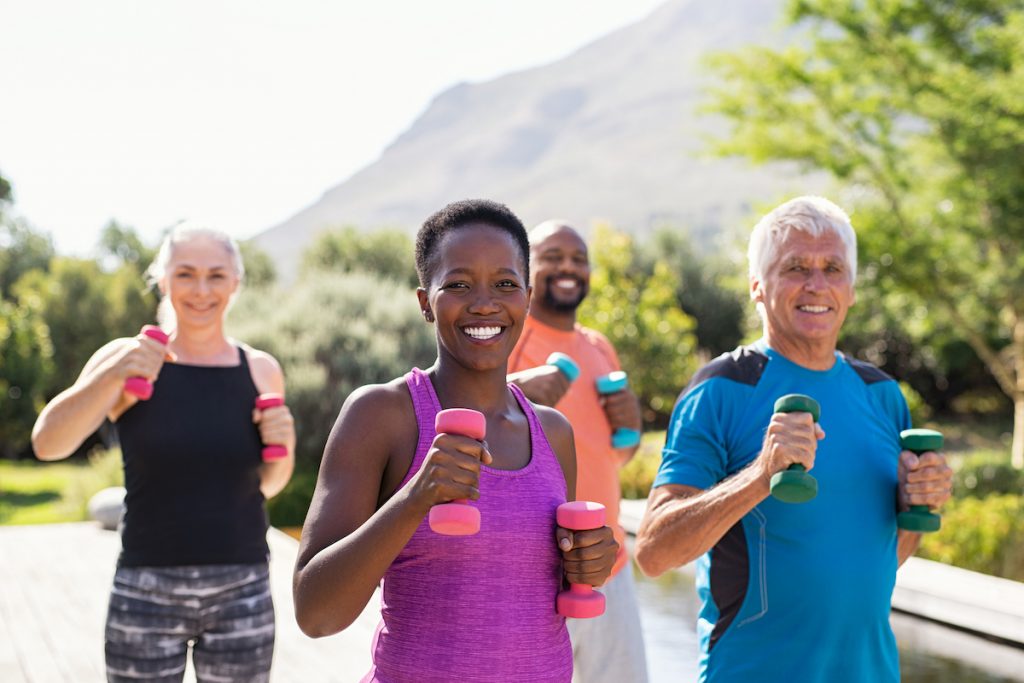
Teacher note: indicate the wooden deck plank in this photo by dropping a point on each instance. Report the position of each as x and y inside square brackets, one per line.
[54, 585]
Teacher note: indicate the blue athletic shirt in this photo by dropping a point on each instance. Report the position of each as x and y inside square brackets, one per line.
[795, 593]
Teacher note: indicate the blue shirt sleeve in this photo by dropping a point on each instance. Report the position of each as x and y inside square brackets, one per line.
[695, 452]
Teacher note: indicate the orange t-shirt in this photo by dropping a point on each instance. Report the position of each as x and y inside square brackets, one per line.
[597, 466]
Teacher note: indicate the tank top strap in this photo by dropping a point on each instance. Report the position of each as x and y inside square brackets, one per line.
[243, 357]
[426, 406]
[542, 454]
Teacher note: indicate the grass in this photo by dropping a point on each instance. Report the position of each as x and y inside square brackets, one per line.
[34, 492]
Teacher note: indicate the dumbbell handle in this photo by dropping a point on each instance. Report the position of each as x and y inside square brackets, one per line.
[581, 601]
[920, 517]
[458, 518]
[794, 485]
[613, 382]
[140, 387]
[273, 451]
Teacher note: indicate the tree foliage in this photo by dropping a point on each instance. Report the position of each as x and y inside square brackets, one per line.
[331, 334]
[633, 302]
[915, 106]
[388, 253]
[25, 373]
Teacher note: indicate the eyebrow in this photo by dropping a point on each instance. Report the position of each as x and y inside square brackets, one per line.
[460, 271]
[189, 266]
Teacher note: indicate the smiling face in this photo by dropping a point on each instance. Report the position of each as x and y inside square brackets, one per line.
[560, 270]
[199, 281]
[805, 294]
[477, 296]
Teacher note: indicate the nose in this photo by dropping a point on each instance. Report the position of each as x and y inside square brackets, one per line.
[816, 280]
[483, 302]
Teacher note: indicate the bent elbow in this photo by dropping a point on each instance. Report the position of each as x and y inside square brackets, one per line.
[646, 558]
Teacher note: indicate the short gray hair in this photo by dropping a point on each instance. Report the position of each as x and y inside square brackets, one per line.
[186, 231]
[812, 215]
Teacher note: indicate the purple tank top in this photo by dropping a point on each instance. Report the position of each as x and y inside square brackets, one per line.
[479, 608]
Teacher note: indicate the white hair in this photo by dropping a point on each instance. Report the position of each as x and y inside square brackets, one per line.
[812, 215]
[183, 232]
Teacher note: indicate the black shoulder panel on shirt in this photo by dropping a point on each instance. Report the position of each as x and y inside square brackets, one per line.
[745, 365]
[867, 372]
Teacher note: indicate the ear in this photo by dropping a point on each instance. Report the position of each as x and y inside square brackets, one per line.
[529, 297]
[421, 294]
[756, 290]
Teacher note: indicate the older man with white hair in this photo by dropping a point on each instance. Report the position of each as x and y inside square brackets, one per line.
[792, 592]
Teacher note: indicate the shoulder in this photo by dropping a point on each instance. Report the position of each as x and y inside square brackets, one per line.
[594, 337]
[555, 425]
[743, 365]
[376, 404]
[266, 372]
[868, 373]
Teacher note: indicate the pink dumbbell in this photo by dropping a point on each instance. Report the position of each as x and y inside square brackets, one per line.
[581, 601]
[458, 518]
[272, 451]
[141, 387]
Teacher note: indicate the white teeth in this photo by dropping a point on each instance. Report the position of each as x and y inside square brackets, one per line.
[813, 309]
[566, 284]
[482, 332]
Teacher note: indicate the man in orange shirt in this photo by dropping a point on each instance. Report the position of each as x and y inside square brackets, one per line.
[608, 648]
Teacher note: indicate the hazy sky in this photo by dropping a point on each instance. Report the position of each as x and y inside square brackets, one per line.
[239, 113]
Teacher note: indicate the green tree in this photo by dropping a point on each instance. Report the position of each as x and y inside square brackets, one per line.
[331, 334]
[718, 311]
[123, 244]
[916, 108]
[385, 252]
[84, 307]
[633, 302]
[259, 267]
[25, 372]
[22, 249]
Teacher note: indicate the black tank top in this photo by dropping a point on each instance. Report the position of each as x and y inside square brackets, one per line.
[191, 467]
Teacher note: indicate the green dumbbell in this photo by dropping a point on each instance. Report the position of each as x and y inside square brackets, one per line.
[794, 485]
[919, 518]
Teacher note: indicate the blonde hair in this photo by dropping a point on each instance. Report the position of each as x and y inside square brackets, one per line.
[183, 232]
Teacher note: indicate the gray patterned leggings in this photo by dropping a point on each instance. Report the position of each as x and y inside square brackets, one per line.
[224, 612]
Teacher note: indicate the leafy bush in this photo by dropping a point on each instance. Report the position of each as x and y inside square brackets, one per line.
[981, 534]
[638, 474]
[332, 334]
[985, 473]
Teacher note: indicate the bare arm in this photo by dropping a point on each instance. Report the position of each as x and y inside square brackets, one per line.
[682, 523]
[348, 542]
[544, 385]
[276, 425]
[98, 393]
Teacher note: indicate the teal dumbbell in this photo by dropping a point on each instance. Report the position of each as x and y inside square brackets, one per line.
[566, 364]
[623, 437]
[794, 485]
[919, 518]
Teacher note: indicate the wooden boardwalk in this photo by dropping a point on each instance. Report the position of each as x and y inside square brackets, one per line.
[54, 583]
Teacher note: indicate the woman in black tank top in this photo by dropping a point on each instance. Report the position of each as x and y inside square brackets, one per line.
[192, 573]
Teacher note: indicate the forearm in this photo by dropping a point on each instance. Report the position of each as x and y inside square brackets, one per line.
[334, 586]
[678, 529]
[907, 543]
[73, 415]
[274, 476]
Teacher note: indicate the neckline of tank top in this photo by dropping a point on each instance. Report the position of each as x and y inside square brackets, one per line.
[238, 362]
[534, 438]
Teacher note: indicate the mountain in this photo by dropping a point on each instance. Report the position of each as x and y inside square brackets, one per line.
[609, 133]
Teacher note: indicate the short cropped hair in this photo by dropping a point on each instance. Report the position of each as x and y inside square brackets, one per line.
[459, 214]
[812, 215]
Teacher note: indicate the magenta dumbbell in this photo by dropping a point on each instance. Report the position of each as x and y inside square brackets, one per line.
[581, 601]
[272, 451]
[140, 387]
[458, 518]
